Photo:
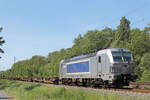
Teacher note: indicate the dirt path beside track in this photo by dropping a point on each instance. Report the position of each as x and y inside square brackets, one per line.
[5, 96]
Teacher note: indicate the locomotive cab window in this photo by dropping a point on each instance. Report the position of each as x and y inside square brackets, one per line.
[99, 59]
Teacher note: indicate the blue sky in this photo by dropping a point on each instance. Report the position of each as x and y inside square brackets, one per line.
[37, 27]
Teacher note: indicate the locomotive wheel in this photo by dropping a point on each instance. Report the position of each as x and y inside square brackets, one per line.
[105, 84]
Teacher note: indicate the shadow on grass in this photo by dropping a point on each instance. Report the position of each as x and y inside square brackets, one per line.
[6, 98]
[3, 87]
[58, 93]
[6, 84]
[28, 88]
[16, 85]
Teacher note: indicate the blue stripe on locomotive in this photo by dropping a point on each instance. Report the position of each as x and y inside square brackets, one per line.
[78, 67]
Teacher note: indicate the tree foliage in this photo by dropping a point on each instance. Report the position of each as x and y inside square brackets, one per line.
[122, 34]
[123, 31]
[1, 41]
[145, 67]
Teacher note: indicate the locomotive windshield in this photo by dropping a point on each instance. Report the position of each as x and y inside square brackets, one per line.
[121, 56]
[117, 56]
[127, 56]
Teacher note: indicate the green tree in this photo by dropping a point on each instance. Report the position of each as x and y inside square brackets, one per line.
[77, 40]
[147, 29]
[93, 40]
[1, 42]
[122, 33]
[139, 44]
[145, 67]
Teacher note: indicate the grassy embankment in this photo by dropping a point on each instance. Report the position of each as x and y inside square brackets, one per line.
[33, 91]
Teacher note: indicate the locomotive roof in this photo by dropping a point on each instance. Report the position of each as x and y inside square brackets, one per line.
[114, 49]
[80, 57]
[93, 54]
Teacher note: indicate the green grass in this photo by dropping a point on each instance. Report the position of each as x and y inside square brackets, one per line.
[32, 91]
[147, 87]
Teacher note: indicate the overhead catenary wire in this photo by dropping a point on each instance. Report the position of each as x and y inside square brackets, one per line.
[131, 12]
[141, 20]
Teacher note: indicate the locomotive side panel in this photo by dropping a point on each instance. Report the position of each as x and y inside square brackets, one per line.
[62, 70]
[104, 66]
[78, 69]
[94, 67]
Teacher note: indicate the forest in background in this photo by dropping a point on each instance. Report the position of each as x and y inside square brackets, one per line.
[136, 40]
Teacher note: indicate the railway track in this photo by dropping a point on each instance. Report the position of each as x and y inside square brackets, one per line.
[122, 92]
[126, 90]
[140, 83]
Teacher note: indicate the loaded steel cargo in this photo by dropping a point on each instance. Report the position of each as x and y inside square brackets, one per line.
[111, 67]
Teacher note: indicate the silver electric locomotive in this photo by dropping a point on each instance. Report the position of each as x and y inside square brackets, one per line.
[109, 67]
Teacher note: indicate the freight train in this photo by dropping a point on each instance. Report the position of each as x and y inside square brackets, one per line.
[107, 67]
[112, 67]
